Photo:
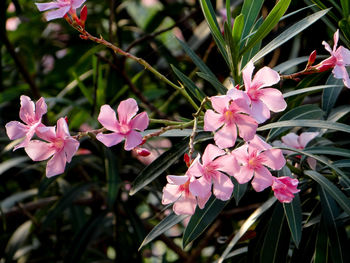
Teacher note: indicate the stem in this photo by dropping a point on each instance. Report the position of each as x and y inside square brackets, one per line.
[167, 128]
[167, 122]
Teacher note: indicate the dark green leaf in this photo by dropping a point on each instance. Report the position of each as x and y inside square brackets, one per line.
[113, 179]
[163, 162]
[310, 89]
[201, 219]
[293, 214]
[329, 151]
[345, 5]
[250, 11]
[238, 190]
[330, 96]
[321, 249]
[213, 81]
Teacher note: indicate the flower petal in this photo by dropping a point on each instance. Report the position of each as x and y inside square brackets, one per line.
[26, 112]
[62, 130]
[228, 164]
[177, 179]
[59, 13]
[70, 148]
[132, 139]
[47, 133]
[226, 136]
[185, 205]
[40, 108]
[39, 150]
[210, 153]
[202, 201]
[258, 144]
[47, 6]
[247, 126]
[223, 187]
[110, 139]
[260, 112]
[16, 130]
[108, 118]
[306, 137]
[273, 99]
[273, 158]
[126, 110]
[220, 103]
[265, 77]
[247, 75]
[77, 3]
[170, 194]
[262, 179]
[291, 140]
[140, 122]
[200, 187]
[212, 121]
[244, 175]
[56, 164]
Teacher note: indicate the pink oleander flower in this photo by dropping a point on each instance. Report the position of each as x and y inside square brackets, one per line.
[261, 99]
[62, 7]
[60, 145]
[339, 59]
[209, 173]
[31, 115]
[284, 188]
[178, 191]
[123, 127]
[229, 115]
[298, 142]
[253, 157]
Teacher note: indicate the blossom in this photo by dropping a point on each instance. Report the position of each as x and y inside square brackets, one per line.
[262, 100]
[62, 7]
[298, 142]
[31, 115]
[230, 115]
[60, 145]
[209, 172]
[253, 158]
[124, 126]
[284, 188]
[178, 191]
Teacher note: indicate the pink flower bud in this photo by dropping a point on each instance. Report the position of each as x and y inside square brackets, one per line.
[284, 188]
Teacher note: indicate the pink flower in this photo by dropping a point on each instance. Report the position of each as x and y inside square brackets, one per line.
[230, 115]
[262, 101]
[208, 173]
[284, 188]
[61, 146]
[62, 7]
[298, 142]
[339, 59]
[124, 126]
[254, 156]
[31, 115]
[177, 191]
[155, 148]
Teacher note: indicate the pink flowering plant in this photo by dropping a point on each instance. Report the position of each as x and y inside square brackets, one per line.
[114, 155]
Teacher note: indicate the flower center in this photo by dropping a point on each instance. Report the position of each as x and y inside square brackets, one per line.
[59, 143]
[124, 129]
[185, 187]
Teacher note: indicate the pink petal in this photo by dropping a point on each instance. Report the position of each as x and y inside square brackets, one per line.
[140, 122]
[59, 13]
[210, 153]
[47, 6]
[247, 75]
[62, 130]
[291, 140]
[39, 150]
[47, 133]
[344, 54]
[258, 144]
[177, 179]
[274, 159]
[170, 194]
[196, 169]
[126, 110]
[305, 137]
[340, 72]
[247, 126]
[241, 154]
[238, 94]
[273, 99]
[26, 113]
[262, 179]
[212, 121]
[108, 118]
[77, 3]
[70, 148]
[185, 205]
[226, 136]
[335, 40]
[327, 47]
[110, 139]
[26, 140]
[202, 201]
[220, 103]
[244, 175]
[223, 187]
[16, 130]
[132, 139]
[40, 108]
[265, 77]
[260, 112]
[312, 163]
[200, 187]
[56, 164]
[228, 164]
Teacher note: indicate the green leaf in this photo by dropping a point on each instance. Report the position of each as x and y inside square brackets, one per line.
[238, 29]
[345, 5]
[238, 190]
[275, 246]
[231, 48]
[288, 33]
[162, 227]
[329, 151]
[302, 112]
[228, 11]
[189, 84]
[330, 212]
[11, 201]
[213, 81]
[250, 11]
[338, 195]
[201, 219]
[164, 161]
[251, 53]
[269, 23]
[294, 218]
[65, 202]
[113, 179]
[330, 96]
[285, 66]
[310, 89]
[87, 94]
[246, 225]
[6, 165]
[321, 249]
[339, 112]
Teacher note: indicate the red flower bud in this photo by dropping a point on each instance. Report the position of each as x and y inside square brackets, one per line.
[312, 59]
[142, 152]
[66, 119]
[83, 16]
[187, 160]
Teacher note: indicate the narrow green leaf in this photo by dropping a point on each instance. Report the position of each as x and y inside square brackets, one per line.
[213, 81]
[330, 212]
[250, 11]
[285, 66]
[294, 218]
[289, 33]
[10, 201]
[228, 11]
[321, 249]
[162, 227]
[345, 5]
[87, 94]
[251, 53]
[164, 161]
[238, 29]
[246, 225]
[330, 96]
[310, 89]
[238, 190]
[309, 111]
[231, 47]
[275, 245]
[338, 113]
[338, 195]
[201, 219]
[113, 179]
[65, 202]
[270, 22]
[6, 165]
[329, 151]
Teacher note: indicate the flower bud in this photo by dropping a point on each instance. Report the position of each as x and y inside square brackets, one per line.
[312, 59]
[142, 152]
[83, 16]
